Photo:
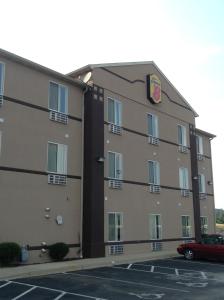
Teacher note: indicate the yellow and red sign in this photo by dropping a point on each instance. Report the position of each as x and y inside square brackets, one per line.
[154, 89]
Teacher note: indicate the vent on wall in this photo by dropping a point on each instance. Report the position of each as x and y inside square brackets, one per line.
[154, 188]
[116, 249]
[182, 149]
[57, 179]
[58, 117]
[153, 140]
[202, 196]
[1, 100]
[200, 156]
[115, 184]
[115, 129]
[185, 193]
[157, 246]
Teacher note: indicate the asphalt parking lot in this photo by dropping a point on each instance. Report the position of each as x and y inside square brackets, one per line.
[158, 279]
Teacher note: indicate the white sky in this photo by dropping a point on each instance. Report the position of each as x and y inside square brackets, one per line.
[185, 38]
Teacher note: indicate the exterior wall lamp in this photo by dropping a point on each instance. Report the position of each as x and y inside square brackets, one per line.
[210, 182]
[100, 159]
[195, 177]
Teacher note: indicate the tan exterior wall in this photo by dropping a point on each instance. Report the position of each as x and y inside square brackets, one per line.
[26, 132]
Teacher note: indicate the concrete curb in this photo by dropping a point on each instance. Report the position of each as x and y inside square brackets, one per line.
[75, 265]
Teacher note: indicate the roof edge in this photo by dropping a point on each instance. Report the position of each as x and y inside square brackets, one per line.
[28, 63]
[208, 134]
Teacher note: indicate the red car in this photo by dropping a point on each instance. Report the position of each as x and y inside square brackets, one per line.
[210, 247]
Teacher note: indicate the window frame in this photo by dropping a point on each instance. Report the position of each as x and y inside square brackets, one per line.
[156, 226]
[120, 177]
[59, 100]
[202, 187]
[204, 225]
[183, 187]
[2, 84]
[155, 122]
[65, 166]
[157, 177]
[199, 144]
[115, 116]
[188, 226]
[116, 226]
[183, 129]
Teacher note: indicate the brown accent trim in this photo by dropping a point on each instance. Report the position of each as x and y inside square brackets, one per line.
[195, 187]
[19, 170]
[32, 248]
[34, 106]
[145, 135]
[147, 241]
[121, 77]
[93, 183]
[142, 81]
[146, 184]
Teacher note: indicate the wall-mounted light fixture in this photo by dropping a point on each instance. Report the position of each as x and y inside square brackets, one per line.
[210, 182]
[195, 177]
[100, 159]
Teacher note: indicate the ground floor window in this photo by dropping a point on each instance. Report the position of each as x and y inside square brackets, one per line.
[186, 226]
[204, 225]
[115, 220]
[155, 227]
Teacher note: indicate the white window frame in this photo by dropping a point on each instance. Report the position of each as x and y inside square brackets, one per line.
[118, 175]
[117, 119]
[59, 100]
[183, 134]
[116, 226]
[0, 143]
[156, 227]
[155, 122]
[2, 84]
[199, 144]
[202, 184]
[183, 185]
[63, 172]
[204, 225]
[156, 171]
[188, 227]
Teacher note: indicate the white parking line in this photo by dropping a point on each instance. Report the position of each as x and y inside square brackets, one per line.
[170, 268]
[152, 269]
[60, 296]
[204, 275]
[129, 266]
[127, 281]
[55, 290]
[7, 283]
[197, 262]
[177, 272]
[26, 292]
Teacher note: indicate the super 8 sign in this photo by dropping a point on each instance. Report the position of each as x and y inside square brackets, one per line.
[154, 89]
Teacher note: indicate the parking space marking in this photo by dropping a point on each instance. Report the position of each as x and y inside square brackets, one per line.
[204, 275]
[7, 283]
[129, 266]
[60, 296]
[127, 281]
[54, 290]
[177, 272]
[196, 262]
[152, 269]
[23, 294]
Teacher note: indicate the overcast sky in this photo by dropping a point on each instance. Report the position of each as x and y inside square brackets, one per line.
[184, 37]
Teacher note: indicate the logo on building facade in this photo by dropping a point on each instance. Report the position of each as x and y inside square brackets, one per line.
[154, 89]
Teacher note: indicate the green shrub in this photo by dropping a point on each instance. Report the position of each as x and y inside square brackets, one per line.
[58, 251]
[9, 253]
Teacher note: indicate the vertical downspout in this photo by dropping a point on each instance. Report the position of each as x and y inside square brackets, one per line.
[82, 170]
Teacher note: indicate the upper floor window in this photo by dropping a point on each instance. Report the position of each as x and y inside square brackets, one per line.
[154, 172]
[114, 112]
[183, 178]
[115, 225]
[155, 227]
[201, 182]
[153, 129]
[199, 144]
[204, 225]
[57, 158]
[186, 226]
[182, 135]
[2, 75]
[115, 165]
[58, 98]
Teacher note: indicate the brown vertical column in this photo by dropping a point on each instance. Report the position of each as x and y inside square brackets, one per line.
[93, 183]
[195, 186]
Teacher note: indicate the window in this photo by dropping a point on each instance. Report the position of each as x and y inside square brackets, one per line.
[186, 227]
[155, 227]
[114, 112]
[58, 98]
[154, 172]
[153, 126]
[183, 178]
[204, 225]
[0, 143]
[115, 221]
[115, 165]
[182, 136]
[199, 144]
[201, 182]
[57, 158]
[2, 75]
